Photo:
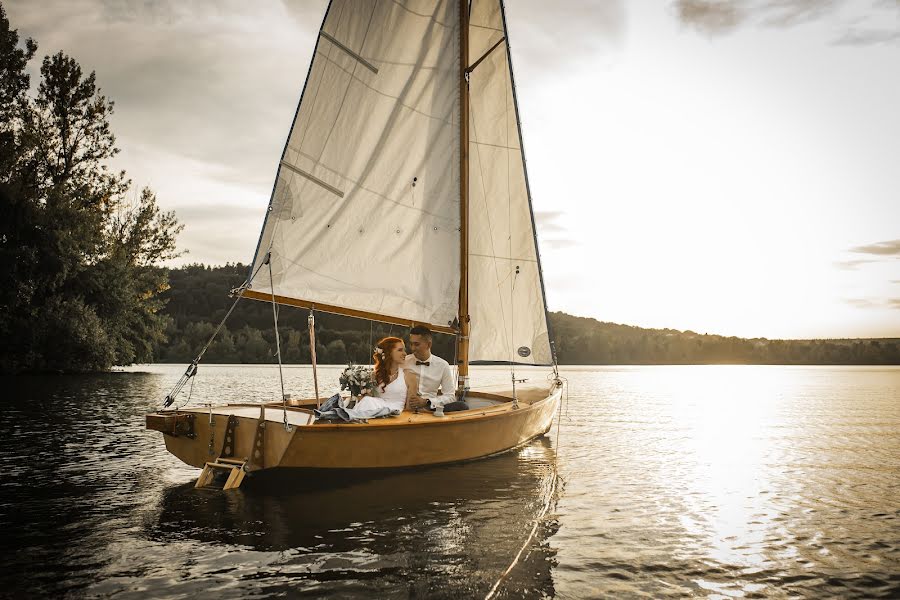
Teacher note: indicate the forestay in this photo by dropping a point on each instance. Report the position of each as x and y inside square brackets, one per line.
[365, 214]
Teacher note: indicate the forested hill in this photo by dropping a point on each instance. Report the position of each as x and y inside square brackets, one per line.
[198, 300]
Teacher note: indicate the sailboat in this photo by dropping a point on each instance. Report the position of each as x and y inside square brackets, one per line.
[401, 197]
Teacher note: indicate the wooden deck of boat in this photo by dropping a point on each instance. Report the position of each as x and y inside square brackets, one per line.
[501, 397]
[496, 401]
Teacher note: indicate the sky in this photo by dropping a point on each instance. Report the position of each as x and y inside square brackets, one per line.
[720, 166]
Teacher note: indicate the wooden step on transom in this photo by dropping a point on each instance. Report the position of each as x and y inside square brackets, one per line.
[235, 477]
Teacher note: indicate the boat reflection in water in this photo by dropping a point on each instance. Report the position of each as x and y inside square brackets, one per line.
[439, 531]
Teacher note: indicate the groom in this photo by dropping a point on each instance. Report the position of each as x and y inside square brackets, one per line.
[437, 386]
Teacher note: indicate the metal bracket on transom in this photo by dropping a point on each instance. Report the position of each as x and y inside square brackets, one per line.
[238, 467]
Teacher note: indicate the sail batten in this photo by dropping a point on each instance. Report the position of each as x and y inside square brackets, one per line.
[314, 179]
[361, 60]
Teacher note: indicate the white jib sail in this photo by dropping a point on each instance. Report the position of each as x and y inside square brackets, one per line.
[508, 316]
[365, 213]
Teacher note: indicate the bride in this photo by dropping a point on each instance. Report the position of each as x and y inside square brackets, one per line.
[397, 387]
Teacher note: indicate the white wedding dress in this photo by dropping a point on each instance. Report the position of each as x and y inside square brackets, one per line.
[393, 397]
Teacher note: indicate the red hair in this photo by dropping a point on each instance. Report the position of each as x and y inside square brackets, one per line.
[383, 360]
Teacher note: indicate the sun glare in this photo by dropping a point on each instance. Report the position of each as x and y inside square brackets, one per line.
[725, 427]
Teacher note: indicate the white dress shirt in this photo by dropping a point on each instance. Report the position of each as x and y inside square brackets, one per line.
[434, 376]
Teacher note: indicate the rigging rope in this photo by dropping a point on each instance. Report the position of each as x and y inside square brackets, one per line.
[565, 382]
[512, 326]
[192, 368]
[277, 343]
[311, 320]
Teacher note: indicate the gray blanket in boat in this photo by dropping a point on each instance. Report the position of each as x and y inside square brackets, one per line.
[335, 409]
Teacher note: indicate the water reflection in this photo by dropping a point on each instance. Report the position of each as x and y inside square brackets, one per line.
[442, 531]
[93, 504]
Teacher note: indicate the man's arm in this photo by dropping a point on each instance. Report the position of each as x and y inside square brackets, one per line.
[448, 386]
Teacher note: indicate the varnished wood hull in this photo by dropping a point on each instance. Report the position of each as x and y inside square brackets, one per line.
[405, 441]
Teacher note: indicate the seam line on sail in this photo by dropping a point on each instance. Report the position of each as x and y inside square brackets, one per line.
[423, 15]
[347, 283]
[485, 27]
[453, 223]
[501, 146]
[369, 87]
[502, 258]
[313, 178]
[350, 52]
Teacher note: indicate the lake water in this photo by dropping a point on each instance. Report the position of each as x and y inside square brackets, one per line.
[706, 481]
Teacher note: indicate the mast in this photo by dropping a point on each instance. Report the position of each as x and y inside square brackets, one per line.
[462, 352]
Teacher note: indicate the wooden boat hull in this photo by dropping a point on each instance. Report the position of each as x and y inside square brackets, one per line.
[404, 441]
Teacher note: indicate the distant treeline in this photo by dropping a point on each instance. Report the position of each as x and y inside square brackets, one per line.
[197, 300]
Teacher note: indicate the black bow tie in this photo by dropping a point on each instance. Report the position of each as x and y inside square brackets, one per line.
[423, 362]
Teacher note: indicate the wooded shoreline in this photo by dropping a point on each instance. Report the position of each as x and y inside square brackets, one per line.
[197, 300]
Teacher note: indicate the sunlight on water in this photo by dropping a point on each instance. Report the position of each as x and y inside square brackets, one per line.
[726, 446]
[730, 481]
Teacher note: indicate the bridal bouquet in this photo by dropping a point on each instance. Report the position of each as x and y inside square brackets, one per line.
[358, 379]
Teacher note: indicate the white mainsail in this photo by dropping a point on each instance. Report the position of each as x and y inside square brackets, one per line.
[508, 315]
[365, 214]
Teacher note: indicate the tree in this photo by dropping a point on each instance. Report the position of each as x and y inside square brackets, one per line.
[83, 288]
[335, 353]
[14, 83]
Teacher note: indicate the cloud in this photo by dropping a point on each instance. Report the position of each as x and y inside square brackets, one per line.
[889, 248]
[591, 27]
[862, 302]
[560, 243]
[171, 66]
[545, 221]
[218, 215]
[854, 23]
[869, 303]
[213, 234]
[866, 37]
[851, 265]
[789, 13]
[550, 233]
[711, 17]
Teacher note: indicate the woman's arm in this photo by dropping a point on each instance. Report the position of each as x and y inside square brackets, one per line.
[413, 400]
